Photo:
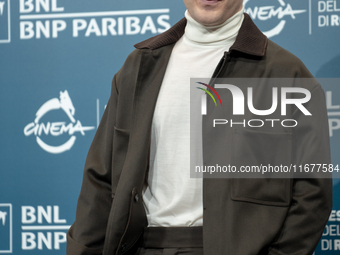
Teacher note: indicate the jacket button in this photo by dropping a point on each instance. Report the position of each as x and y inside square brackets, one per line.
[136, 197]
[123, 249]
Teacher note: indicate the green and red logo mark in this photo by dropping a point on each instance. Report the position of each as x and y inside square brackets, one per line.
[213, 90]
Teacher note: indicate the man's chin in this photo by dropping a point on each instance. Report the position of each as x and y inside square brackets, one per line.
[207, 19]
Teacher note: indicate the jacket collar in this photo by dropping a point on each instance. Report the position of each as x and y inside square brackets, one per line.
[250, 39]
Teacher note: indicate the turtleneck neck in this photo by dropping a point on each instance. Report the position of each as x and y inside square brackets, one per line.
[223, 34]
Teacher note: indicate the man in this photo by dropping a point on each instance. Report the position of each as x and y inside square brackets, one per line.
[143, 138]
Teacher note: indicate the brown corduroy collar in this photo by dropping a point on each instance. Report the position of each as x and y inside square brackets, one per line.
[250, 39]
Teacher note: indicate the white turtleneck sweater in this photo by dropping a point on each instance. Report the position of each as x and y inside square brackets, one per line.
[172, 198]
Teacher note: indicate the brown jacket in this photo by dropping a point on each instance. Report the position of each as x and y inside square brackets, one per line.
[241, 216]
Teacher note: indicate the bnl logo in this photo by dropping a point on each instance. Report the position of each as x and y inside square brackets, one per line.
[6, 228]
[5, 21]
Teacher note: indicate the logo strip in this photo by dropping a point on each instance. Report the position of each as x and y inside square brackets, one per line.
[93, 14]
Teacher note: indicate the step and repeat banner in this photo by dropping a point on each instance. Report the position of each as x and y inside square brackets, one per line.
[57, 60]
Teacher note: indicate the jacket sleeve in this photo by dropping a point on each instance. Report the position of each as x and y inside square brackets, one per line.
[311, 200]
[87, 234]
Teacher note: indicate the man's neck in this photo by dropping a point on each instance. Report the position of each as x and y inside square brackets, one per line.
[199, 34]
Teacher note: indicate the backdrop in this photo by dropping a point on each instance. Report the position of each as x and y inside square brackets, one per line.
[57, 60]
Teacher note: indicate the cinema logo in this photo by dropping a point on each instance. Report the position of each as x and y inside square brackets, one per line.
[264, 13]
[238, 99]
[6, 234]
[5, 21]
[2, 7]
[55, 129]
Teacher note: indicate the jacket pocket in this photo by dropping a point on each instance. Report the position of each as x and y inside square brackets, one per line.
[121, 139]
[261, 149]
[136, 223]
